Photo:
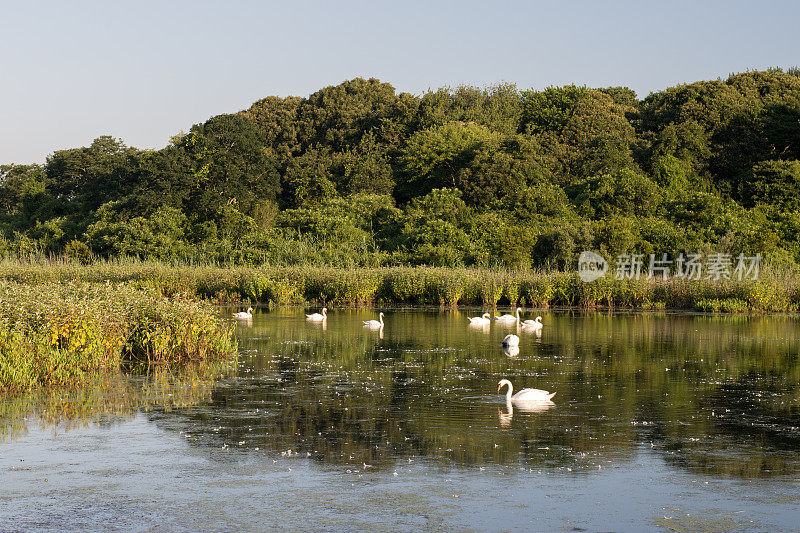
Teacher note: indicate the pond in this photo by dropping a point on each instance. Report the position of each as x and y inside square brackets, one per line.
[660, 422]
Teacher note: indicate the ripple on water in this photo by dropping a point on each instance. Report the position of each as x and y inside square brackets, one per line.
[656, 423]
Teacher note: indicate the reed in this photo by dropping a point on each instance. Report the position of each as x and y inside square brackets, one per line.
[63, 333]
[774, 291]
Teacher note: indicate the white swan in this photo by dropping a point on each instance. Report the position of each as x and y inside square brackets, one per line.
[480, 320]
[318, 317]
[525, 395]
[510, 340]
[483, 328]
[509, 318]
[374, 323]
[533, 324]
[511, 351]
[244, 315]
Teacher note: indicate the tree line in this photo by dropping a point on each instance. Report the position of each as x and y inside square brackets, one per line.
[358, 174]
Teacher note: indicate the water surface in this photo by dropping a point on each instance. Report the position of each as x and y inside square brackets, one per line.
[660, 422]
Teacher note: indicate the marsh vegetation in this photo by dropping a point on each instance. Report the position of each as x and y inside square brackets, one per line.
[63, 334]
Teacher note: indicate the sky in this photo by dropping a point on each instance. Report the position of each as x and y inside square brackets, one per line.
[143, 70]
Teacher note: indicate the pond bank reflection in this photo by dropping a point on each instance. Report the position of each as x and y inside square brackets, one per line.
[716, 396]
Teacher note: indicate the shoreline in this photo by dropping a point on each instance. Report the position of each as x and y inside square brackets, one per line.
[773, 292]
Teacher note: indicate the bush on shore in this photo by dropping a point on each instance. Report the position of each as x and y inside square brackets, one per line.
[61, 334]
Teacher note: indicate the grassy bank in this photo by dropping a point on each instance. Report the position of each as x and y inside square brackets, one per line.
[773, 292]
[64, 333]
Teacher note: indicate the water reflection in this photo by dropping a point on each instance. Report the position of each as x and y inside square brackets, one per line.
[110, 399]
[526, 407]
[712, 395]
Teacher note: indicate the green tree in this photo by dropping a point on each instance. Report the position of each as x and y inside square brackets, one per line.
[497, 107]
[229, 166]
[588, 132]
[308, 179]
[775, 183]
[434, 157]
[436, 229]
[337, 117]
[159, 236]
[82, 179]
[501, 169]
[621, 193]
[18, 185]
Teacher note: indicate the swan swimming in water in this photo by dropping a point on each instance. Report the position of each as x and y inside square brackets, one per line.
[511, 351]
[317, 317]
[244, 315]
[509, 318]
[533, 324]
[510, 340]
[525, 395]
[480, 320]
[374, 323]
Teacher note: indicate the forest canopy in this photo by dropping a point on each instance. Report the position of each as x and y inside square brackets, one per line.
[358, 174]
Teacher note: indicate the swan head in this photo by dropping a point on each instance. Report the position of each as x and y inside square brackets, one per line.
[324, 310]
[249, 309]
[486, 315]
[502, 383]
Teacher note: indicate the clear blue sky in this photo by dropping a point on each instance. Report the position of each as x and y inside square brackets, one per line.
[145, 70]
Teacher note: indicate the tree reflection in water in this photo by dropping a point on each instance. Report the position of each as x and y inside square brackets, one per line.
[713, 395]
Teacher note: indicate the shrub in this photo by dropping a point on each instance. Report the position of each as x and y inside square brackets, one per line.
[63, 333]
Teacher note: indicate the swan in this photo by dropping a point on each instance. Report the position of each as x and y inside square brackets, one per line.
[511, 351]
[244, 315]
[317, 317]
[509, 318]
[483, 328]
[525, 395]
[510, 340]
[480, 320]
[374, 323]
[533, 324]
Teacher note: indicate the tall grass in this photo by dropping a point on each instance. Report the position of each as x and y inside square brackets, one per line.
[272, 285]
[62, 333]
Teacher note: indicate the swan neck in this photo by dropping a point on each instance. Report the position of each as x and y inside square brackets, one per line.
[509, 391]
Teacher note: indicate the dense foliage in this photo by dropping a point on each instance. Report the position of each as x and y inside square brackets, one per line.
[67, 333]
[359, 175]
